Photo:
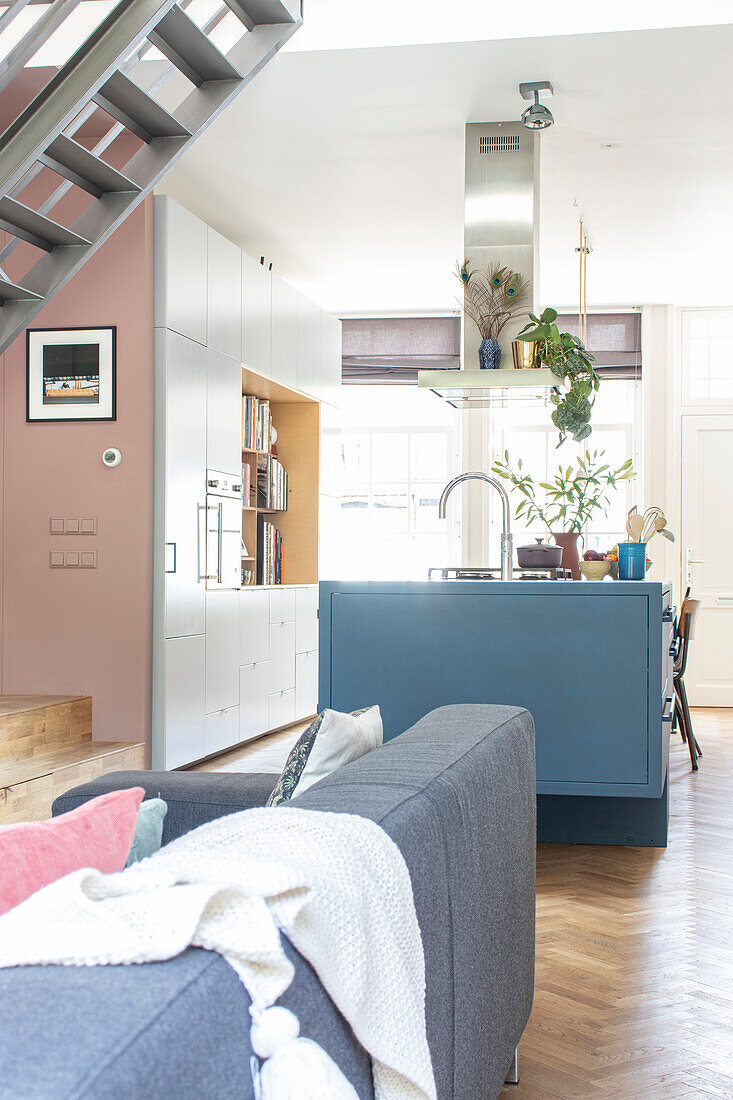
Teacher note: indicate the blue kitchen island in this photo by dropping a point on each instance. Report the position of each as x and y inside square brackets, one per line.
[590, 660]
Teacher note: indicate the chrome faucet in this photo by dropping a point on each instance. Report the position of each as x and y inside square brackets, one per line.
[507, 548]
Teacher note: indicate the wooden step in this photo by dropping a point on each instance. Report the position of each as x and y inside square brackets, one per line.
[29, 787]
[32, 725]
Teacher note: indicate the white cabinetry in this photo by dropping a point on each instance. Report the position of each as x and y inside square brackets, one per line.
[284, 357]
[254, 626]
[254, 700]
[222, 650]
[184, 692]
[330, 359]
[281, 711]
[306, 619]
[180, 278]
[309, 346]
[256, 315]
[306, 683]
[223, 413]
[224, 295]
[181, 485]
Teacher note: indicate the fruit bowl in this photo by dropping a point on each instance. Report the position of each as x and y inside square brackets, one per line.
[595, 570]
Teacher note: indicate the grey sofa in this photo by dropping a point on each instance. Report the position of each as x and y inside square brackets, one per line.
[456, 793]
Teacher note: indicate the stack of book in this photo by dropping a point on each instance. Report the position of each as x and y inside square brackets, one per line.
[246, 485]
[248, 577]
[269, 553]
[256, 424]
[272, 484]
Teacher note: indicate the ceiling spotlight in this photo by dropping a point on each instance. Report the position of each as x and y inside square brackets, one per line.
[537, 116]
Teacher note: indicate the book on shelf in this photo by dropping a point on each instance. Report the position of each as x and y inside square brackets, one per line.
[248, 577]
[256, 424]
[272, 484]
[269, 553]
[246, 485]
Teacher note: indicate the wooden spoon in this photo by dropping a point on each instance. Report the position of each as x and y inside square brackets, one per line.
[635, 527]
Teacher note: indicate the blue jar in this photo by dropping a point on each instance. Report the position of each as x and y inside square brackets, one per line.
[631, 561]
[489, 354]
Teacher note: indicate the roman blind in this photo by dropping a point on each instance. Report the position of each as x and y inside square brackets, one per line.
[613, 338]
[394, 349]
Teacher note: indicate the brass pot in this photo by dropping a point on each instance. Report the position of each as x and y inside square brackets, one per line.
[524, 354]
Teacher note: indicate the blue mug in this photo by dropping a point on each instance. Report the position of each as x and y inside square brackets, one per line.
[631, 561]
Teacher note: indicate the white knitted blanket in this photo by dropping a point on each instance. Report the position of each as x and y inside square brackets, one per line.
[336, 884]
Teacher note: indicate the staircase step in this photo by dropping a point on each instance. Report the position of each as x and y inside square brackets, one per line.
[32, 227]
[121, 98]
[32, 725]
[190, 50]
[257, 13]
[11, 292]
[82, 168]
[28, 788]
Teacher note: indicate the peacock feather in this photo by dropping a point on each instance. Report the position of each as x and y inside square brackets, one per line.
[492, 296]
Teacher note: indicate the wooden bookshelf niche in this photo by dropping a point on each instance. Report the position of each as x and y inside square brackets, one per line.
[296, 418]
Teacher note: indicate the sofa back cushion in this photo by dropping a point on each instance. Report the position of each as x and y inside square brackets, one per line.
[98, 834]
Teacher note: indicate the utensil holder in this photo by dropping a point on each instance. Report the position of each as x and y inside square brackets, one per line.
[631, 561]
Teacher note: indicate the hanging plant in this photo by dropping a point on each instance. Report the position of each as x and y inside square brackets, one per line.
[572, 364]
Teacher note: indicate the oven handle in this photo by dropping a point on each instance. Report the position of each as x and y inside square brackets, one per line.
[219, 540]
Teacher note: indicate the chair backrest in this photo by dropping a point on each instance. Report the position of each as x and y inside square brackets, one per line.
[685, 631]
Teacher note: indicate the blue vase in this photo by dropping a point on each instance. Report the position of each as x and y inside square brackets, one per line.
[489, 354]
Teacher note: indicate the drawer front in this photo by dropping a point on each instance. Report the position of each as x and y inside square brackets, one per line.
[306, 684]
[282, 605]
[254, 695]
[282, 657]
[221, 730]
[306, 619]
[282, 709]
[254, 627]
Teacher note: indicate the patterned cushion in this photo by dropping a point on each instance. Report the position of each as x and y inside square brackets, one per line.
[331, 740]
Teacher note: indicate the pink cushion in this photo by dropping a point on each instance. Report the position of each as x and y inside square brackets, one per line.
[98, 834]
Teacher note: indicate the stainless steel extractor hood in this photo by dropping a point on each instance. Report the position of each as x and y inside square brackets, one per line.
[501, 224]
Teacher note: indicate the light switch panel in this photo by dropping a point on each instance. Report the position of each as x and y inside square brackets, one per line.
[88, 559]
[88, 525]
[71, 559]
[56, 559]
[56, 525]
[71, 526]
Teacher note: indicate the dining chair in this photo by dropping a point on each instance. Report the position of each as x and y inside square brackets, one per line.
[684, 633]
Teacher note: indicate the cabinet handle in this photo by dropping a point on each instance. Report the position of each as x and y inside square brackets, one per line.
[668, 709]
[669, 614]
[173, 569]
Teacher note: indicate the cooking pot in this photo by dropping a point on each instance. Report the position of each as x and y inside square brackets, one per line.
[540, 555]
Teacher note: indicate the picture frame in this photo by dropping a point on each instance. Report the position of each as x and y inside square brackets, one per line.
[71, 374]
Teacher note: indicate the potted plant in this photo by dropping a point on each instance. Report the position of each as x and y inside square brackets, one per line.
[491, 298]
[567, 502]
[571, 363]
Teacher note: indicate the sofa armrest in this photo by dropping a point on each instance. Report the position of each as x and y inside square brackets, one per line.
[193, 797]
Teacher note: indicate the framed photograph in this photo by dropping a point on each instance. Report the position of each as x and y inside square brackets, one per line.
[71, 374]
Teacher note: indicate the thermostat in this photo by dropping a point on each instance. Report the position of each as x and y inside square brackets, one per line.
[111, 456]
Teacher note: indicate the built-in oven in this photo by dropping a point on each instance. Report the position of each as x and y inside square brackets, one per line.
[223, 534]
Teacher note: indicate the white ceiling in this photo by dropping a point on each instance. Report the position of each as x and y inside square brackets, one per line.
[345, 167]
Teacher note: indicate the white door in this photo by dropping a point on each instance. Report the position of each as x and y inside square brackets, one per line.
[222, 650]
[182, 373]
[707, 535]
[223, 413]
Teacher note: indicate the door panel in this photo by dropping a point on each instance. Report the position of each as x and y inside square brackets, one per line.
[306, 684]
[254, 700]
[222, 650]
[181, 270]
[224, 295]
[223, 413]
[707, 534]
[282, 709]
[185, 671]
[254, 627]
[284, 361]
[282, 657]
[306, 619]
[309, 341]
[282, 605]
[183, 376]
[256, 315]
[221, 730]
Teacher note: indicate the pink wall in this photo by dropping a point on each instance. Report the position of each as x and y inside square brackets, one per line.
[85, 631]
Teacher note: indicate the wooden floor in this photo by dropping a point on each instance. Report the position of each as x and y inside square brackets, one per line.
[634, 980]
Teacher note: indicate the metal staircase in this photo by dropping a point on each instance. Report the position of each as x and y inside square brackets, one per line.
[116, 79]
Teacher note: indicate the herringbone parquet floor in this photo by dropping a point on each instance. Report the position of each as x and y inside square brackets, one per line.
[634, 979]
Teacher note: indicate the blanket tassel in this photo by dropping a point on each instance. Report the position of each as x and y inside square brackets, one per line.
[293, 1068]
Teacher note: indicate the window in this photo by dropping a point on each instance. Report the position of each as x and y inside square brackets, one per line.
[399, 448]
[529, 434]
